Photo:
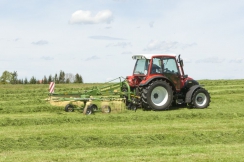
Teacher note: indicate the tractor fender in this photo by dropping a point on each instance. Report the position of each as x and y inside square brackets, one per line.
[153, 78]
[190, 92]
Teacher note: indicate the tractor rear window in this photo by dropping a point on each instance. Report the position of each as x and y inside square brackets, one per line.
[141, 67]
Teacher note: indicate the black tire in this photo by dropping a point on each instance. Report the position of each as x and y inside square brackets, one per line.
[69, 108]
[89, 110]
[200, 99]
[93, 107]
[158, 95]
[106, 109]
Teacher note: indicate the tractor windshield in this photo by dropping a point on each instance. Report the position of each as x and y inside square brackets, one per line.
[141, 66]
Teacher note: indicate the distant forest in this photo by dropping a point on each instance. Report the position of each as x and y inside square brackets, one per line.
[61, 78]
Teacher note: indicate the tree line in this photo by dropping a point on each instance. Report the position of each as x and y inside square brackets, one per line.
[61, 78]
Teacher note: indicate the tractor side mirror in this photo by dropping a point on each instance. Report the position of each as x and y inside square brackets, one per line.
[181, 63]
[185, 76]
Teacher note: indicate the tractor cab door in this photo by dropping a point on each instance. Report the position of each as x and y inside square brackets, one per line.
[169, 68]
[171, 71]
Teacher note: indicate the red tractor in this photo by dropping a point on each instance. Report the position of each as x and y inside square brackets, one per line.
[158, 81]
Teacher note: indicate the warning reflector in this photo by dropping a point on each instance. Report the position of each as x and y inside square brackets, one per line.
[51, 87]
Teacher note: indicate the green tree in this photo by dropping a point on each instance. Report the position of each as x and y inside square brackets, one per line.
[50, 79]
[6, 77]
[45, 80]
[32, 80]
[67, 80]
[14, 78]
[20, 81]
[56, 78]
[78, 78]
[61, 77]
[26, 81]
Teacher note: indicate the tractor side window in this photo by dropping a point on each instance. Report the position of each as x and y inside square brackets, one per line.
[170, 65]
[156, 66]
[141, 66]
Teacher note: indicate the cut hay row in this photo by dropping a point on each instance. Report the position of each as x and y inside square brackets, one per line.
[23, 96]
[34, 130]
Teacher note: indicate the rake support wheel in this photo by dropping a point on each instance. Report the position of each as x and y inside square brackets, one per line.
[88, 110]
[106, 109]
[69, 108]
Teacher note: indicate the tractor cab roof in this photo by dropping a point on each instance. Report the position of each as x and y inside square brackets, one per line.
[149, 56]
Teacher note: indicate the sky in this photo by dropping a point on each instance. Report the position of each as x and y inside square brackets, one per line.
[97, 38]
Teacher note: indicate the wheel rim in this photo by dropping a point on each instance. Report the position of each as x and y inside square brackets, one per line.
[107, 110]
[201, 99]
[94, 108]
[88, 111]
[70, 109]
[159, 96]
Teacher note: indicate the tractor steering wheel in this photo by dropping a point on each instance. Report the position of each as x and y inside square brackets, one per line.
[167, 70]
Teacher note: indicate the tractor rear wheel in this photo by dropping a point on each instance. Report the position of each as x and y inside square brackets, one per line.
[158, 95]
[200, 99]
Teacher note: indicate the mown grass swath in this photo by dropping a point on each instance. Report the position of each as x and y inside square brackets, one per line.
[33, 130]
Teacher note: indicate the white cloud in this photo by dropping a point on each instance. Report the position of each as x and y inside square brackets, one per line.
[92, 58]
[126, 53]
[40, 42]
[155, 45]
[187, 60]
[85, 17]
[151, 24]
[119, 0]
[108, 27]
[237, 60]
[17, 39]
[105, 38]
[183, 46]
[211, 60]
[119, 44]
[158, 45]
[46, 58]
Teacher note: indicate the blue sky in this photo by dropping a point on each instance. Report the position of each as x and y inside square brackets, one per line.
[97, 38]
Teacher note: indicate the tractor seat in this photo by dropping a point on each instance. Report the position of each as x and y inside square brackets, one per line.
[155, 68]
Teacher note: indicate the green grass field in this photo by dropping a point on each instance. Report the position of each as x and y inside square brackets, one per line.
[33, 130]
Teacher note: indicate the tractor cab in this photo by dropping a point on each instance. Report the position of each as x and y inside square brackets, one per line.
[149, 66]
[157, 64]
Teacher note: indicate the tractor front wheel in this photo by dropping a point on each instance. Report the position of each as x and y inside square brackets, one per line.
[200, 99]
[158, 95]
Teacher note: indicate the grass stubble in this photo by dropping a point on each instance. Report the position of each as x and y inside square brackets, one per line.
[33, 130]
